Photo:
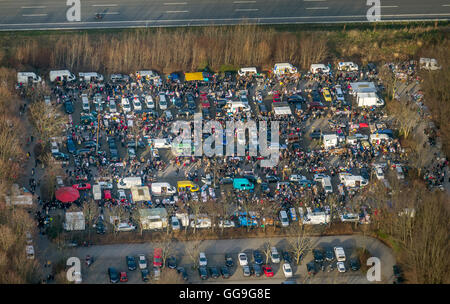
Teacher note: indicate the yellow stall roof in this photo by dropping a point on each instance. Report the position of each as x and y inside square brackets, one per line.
[193, 76]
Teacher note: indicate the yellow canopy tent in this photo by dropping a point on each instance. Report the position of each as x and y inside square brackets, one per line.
[193, 76]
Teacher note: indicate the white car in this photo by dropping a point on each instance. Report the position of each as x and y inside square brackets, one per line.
[125, 227]
[202, 259]
[112, 106]
[106, 185]
[136, 103]
[175, 223]
[274, 255]
[379, 173]
[54, 147]
[341, 266]
[125, 105]
[296, 178]
[122, 195]
[287, 270]
[318, 177]
[399, 171]
[226, 224]
[242, 257]
[142, 261]
[149, 103]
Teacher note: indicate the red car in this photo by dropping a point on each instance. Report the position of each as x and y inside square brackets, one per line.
[82, 186]
[157, 257]
[123, 277]
[267, 271]
[204, 100]
[276, 97]
[107, 194]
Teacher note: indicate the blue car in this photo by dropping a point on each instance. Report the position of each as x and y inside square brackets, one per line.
[71, 146]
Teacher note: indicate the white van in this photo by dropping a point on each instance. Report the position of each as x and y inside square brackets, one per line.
[90, 76]
[347, 66]
[126, 105]
[112, 106]
[149, 103]
[162, 101]
[235, 106]
[284, 219]
[85, 102]
[161, 143]
[128, 182]
[163, 189]
[339, 93]
[340, 254]
[28, 77]
[326, 184]
[62, 75]
[247, 71]
[284, 68]
[319, 67]
[97, 192]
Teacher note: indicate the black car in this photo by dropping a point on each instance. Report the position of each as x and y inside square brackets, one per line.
[364, 173]
[60, 156]
[145, 275]
[68, 106]
[226, 180]
[228, 260]
[329, 254]
[318, 255]
[286, 257]
[203, 272]
[257, 257]
[265, 187]
[183, 273]
[225, 272]
[311, 267]
[398, 276]
[191, 105]
[257, 270]
[214, 272]
[272, 179]
[113, 275]
[316, 134]
[90, 144]
[172, 262]
[131, 263]
[205, 114]
[178, 103]
[100, 227]
[295, 98]
[354, 264]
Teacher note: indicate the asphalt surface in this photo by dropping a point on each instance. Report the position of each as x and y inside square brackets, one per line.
[114, 256]
[51, 14]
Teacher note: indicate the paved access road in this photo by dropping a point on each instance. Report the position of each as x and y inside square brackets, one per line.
[114, 256]
[51, 14]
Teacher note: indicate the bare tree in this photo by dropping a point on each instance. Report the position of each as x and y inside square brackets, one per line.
[266, 250]
[167, 248]
[300, 243]
[47, 120]
[193, 250]
[90, 211]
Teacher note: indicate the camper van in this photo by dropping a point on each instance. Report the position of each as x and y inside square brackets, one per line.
[128, 182]
[284, 68]
[28, 77]
[326, 184]
[319, 68]
[352, 180]
[187, 185]
[85, 102]
[60, 75]
[242, 184]
[162, 189]
[90, 76]
[97, 192]
[247, 71]
[347, 66]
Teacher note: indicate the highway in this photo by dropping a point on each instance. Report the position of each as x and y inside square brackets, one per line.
[52, 14]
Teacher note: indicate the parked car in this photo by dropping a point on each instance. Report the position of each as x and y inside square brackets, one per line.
[203, 272]
[246, 271]
[113, 275]
[172, 262]
[157, 257]
[82, 186]
[318, 255]
[354, 264]
[131, 263]
[214, 272]
[274, 255]
[225, 272]
[257, 257]
[287, 270]
[183, 273]
[142, 261]
[329, 254]
[242, 257]
[257, 270]
[341, 266]
[311, 268]
[286, 257]
[267, 271]
[123, 276]
[145, 275]
[228, 260]
[202, 259]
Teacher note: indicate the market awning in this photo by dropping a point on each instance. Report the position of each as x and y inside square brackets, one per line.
[67, 194]
[282, 110]
[193, 76]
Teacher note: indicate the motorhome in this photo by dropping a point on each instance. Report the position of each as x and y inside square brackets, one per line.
[28, 77]
[347, 66]
[90, 76]
[326, 184]
[284, 68]
[128, 182]
[352, 180]
[163, 189]
[429, 64]
[59, 75]
[319, 68]
[247, 71]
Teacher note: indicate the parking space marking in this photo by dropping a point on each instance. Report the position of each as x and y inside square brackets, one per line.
[246, 9]
[33, 7]
[34, 15]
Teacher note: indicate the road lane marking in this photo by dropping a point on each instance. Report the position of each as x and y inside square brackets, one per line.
[170, 12]
[314, 0]
[33, 7]
[388, 6]
[34, 15]
[243, 2]
[313, 8]
[176, 3]
[445, 4]
[109, 13]
[100, 5]
[246, 9]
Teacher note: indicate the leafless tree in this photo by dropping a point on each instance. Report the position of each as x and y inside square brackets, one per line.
[193, 250]
[167, 248]
[266, 250]
[300, 243]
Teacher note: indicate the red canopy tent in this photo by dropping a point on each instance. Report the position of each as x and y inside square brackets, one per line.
[67, 194]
